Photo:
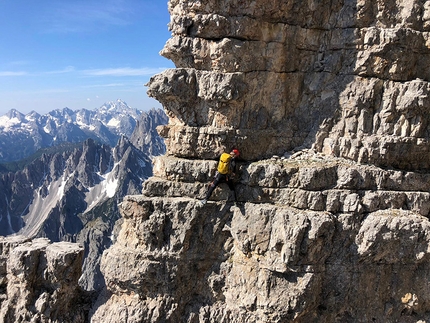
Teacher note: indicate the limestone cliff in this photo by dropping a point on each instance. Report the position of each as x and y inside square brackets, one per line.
[39, 281]
[335, 227]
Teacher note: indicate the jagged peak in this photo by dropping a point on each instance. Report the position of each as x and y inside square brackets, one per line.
[123, 143]
[32, 115]
[118, 106]
[13, 113]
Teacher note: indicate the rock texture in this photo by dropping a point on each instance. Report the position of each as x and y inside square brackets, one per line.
[318, 239]
[39, 281]
[334, 228]
[145, 136]
[349, 77]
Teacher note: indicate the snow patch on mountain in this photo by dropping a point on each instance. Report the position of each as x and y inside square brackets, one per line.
[114, 122]
[41, 207]
[105, 189]
[7, 123]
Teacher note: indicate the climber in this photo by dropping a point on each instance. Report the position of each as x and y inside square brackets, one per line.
[224, 174]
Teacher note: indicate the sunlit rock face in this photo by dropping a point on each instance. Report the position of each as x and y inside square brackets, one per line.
[39, 281]
[334, 228]
[349, 78]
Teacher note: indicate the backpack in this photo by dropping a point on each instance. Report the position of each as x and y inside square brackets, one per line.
[224, 163]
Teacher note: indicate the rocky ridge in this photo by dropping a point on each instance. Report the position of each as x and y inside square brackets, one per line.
[33, 131]
[336, 229]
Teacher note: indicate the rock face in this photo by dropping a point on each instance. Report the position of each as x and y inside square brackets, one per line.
[347, 77]
[39, 281]
[336, 228]
[318, 240]
[145, 136]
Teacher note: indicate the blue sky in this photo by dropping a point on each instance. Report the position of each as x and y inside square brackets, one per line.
[80, 53]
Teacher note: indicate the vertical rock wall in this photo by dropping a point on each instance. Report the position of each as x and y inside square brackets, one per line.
[347, 77]
[336, 229]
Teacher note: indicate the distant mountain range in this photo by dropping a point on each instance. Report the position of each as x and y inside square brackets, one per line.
[83, 163]
[22, 135]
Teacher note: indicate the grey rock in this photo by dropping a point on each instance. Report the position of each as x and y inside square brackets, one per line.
[39, 281]
[336, 230]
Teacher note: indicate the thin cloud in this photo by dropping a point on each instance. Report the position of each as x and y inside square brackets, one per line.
[65, 70]
[113, 72]
[68, 69]
[125, 71]
[50, 91]
[11, 73]
[37, 91]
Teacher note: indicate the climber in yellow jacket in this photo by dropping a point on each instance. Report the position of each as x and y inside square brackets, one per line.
[225, 171]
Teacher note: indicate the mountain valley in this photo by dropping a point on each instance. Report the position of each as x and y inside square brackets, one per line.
[70, 191]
